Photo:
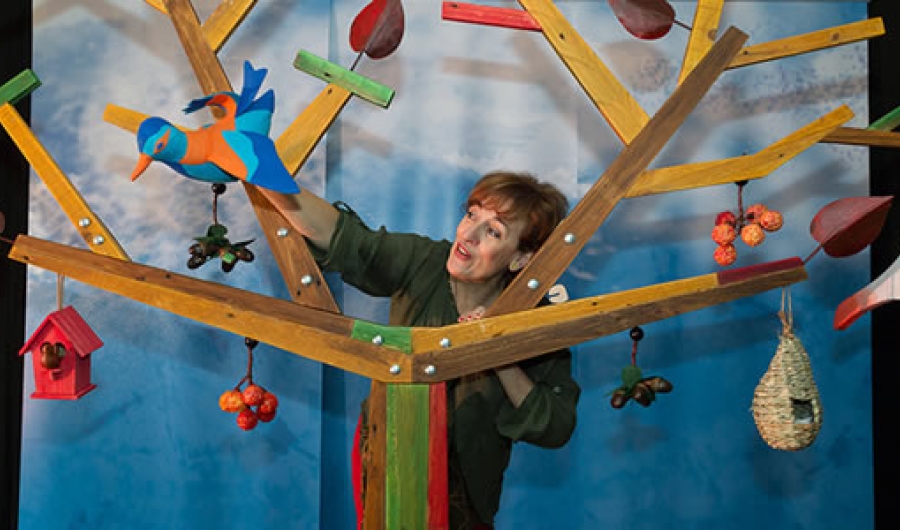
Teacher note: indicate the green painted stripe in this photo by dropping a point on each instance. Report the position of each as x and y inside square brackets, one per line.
[888, 122]
[397, 337]
[406, 458]
[18, 87]
[329, 72]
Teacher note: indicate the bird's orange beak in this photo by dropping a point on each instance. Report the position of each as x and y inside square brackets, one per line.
[141, 165]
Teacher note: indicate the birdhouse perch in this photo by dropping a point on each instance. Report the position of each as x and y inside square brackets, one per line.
[61, 350]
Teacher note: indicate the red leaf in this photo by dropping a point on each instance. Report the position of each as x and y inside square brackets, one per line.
[645, 19]
[846, 226]
[378, 29]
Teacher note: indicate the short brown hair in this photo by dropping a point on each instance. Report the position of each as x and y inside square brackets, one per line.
[522, 196]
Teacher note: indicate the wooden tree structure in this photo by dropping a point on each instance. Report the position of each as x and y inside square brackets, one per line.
[408, 366]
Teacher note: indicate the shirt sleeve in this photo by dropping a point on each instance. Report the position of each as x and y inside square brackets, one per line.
[377, 262]
[547, 416]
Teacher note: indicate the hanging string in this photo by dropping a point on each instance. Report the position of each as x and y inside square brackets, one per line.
[786, 314]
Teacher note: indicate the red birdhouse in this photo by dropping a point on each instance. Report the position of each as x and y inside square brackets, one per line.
[61, 355]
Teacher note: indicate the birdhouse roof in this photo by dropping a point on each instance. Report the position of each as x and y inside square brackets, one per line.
[69, 323]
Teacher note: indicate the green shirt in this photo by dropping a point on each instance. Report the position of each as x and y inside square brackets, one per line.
[482, 422]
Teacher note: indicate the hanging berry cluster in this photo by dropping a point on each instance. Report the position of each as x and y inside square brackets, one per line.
[750, 224]
[252, 404]
[642, 390]
[215, 245]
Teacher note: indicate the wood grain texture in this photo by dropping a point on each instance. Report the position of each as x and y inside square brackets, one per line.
[222, 23]
[869, 137]
[297, 142]
[406, 456]
[89, 226]
[702, 36]
[285, 248]
[747, 167]
[374, 461]
[612, 99]
[809, 42]
[318, 335]
[558, 251]
[505, 339]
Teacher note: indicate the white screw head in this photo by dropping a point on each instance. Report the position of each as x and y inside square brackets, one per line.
[84, 222]
[378, 340]
[445, 342]
[282, 232]
[569, 238]
[395, 369]
[533, 284]
[99, 240]
[430, 369]
[306, 279]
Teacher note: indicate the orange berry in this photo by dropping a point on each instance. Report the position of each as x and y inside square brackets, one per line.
[725, 255]
[232, 401]
[724, 234]
[755, 212]
[253, 395]
[771, 220]
[752, 234]
[247, 420]
[725, 217]
[269, 404]
[266, 417]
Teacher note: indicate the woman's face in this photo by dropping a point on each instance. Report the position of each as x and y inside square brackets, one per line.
[485, 246]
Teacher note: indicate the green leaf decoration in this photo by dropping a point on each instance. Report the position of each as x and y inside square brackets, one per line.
[631, 374]
[216, 231]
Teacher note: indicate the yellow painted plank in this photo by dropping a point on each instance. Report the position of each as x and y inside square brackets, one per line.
[809, 42]
[89, 226]
[575, 230]
[501, 340]
[300, 138]
[615, 103]
[703, 34]
[312, 333]
[748, 167]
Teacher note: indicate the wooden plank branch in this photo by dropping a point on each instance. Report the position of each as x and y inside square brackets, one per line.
[297, 266]
[503, 17]
[809, 42]
[222, 23]
[868, 137]
[514, 337]
[615, 103]
[90, 227]
[748, 167]
[570, 236]
[312, 333]
[703, 34]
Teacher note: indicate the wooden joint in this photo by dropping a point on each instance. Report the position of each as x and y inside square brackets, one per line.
[18, 87]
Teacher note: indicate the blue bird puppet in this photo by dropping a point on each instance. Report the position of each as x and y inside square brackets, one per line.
[235, 147]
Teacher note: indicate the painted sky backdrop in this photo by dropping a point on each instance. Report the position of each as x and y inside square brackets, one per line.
[149, 448]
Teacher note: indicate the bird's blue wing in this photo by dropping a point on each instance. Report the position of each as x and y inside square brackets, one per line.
[253, 79]
[269, 172]
[257, 118]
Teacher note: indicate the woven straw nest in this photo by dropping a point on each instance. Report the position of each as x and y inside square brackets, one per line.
[786, 405]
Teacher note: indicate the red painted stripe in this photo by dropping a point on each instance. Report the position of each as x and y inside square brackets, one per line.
[438, 493]
[750, 271]
[503, 17]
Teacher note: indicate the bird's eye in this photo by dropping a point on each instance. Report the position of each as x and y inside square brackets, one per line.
[159, 146]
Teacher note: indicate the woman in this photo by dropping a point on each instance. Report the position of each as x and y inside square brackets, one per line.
[432, 283]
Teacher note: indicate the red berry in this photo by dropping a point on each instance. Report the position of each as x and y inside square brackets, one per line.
[269, 403]
[253, 395]
[755, 212]
[232, 401]
[771, 220]
[725, 255]
[247, 420]
[752, 234]
[723, 234]
[266, 416]
[726, 217]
